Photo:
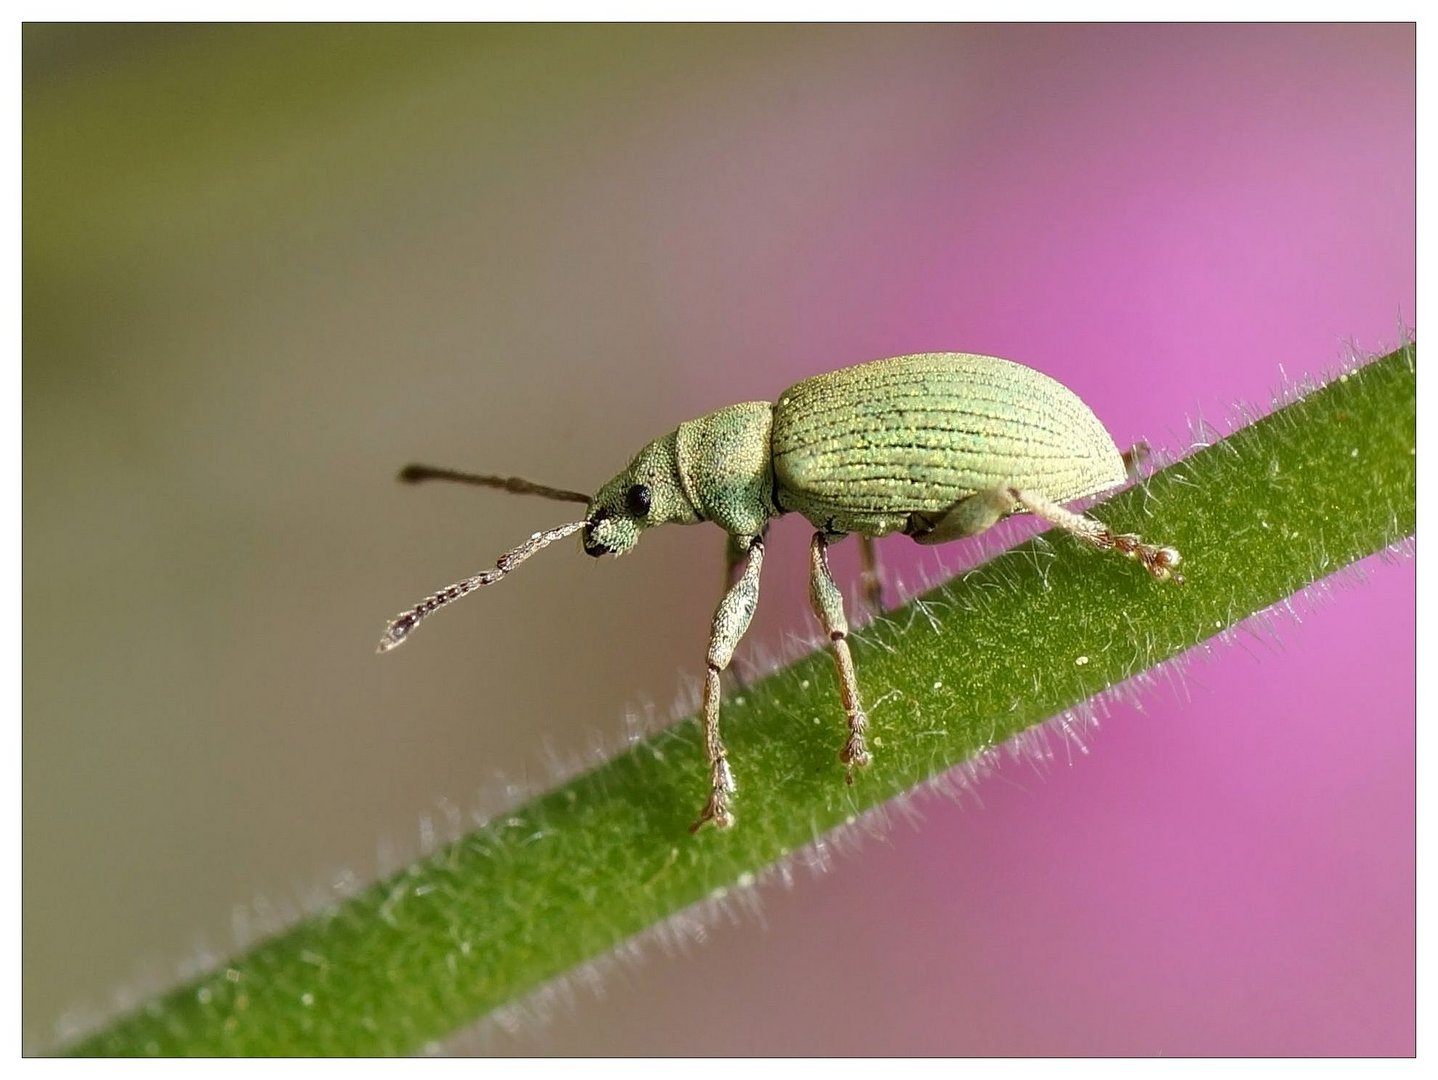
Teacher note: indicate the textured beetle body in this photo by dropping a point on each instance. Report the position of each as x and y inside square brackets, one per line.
[935, 445]
[861, 449]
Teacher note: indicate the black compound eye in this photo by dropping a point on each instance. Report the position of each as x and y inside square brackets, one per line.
[636, 501]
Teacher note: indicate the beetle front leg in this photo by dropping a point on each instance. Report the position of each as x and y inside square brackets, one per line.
[731, 619]
[828, 604]
[736, 549]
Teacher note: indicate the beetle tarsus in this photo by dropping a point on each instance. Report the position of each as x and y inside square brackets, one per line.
[855, 754]
[1157, 559]
[717, 808]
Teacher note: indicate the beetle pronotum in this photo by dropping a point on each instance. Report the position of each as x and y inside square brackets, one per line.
[937, 446]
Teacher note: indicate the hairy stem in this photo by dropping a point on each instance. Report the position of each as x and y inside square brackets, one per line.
[480, 923]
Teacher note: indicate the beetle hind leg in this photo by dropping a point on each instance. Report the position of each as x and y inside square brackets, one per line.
[983, 509]
[1157, 559]
[1134, 459]
[828, 604]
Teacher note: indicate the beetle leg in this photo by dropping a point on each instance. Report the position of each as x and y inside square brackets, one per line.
[828, 604]
[870, 577]
[985, 508]
[735, 548]
[1157, 560]
[731, 619]
[967, 517]
[1133, 460]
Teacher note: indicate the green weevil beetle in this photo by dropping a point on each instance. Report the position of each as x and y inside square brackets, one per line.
[937, 446]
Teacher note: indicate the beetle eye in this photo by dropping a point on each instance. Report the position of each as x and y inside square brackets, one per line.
[636, 501]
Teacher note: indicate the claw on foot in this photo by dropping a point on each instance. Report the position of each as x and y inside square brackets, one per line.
[854, 755]
[1158, 560]
[715, 810]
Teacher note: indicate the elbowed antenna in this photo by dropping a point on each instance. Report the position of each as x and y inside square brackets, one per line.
[400, 627]
[414, 474]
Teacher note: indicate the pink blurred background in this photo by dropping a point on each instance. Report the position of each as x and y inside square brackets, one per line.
[266, 266]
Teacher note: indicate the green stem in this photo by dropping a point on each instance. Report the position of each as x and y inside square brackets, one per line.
[950, 676]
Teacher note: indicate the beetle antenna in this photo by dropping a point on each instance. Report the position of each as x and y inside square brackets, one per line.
[400, 627]
[415, 474]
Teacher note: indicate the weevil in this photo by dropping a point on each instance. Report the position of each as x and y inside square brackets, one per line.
[937, 446]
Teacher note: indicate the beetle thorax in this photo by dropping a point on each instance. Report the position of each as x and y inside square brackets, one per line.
[726, 466]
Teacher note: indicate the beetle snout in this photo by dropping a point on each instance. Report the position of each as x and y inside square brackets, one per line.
[592, 547]
[607, 533]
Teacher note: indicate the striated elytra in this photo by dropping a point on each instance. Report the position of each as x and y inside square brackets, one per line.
[937, 446]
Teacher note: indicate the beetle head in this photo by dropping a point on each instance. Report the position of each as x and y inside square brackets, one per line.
[647, 493]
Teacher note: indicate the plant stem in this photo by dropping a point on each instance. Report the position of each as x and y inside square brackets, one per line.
[950, 676]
